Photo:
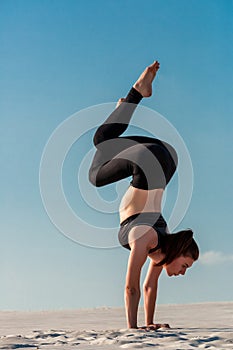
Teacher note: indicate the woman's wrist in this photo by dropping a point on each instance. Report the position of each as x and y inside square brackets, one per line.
[132, 326]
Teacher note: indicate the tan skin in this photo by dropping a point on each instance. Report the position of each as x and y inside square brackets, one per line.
[143, 238]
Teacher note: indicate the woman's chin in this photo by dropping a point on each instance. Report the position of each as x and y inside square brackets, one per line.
[169, 273]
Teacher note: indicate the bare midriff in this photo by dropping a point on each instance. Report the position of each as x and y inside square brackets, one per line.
[137, 201]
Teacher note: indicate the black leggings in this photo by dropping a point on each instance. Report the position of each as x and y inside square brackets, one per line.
[150, 161]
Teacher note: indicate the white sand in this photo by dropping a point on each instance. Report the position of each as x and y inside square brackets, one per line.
[202, 326]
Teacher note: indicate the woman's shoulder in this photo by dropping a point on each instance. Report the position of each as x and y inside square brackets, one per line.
[143, 235]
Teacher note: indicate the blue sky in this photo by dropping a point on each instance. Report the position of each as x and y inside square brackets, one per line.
[60, 57]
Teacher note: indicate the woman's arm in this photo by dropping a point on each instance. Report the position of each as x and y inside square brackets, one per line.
[137, 258]
[138, 240]
[150, 291]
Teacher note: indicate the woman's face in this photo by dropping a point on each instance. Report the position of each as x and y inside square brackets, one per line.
[179, 266]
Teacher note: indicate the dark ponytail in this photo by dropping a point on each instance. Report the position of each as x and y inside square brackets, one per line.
[177, 244]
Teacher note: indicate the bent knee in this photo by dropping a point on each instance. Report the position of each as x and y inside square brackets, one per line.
[96, 180]
[93, 178]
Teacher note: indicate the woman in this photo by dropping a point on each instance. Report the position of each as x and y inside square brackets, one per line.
[143, 230]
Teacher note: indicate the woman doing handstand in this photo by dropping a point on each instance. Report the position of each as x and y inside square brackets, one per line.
[143, 230]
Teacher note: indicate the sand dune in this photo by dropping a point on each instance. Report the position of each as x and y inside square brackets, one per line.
[200, 326]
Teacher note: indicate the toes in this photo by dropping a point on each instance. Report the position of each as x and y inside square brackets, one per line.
[156, 64]
[153, 67]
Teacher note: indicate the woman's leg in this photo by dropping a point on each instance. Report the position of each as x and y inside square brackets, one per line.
[106, 166]
[119, 157]
[151, 164]
[119, 119]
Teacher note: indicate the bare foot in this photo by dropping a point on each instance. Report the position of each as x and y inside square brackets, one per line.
[120, 102]
[144, 82]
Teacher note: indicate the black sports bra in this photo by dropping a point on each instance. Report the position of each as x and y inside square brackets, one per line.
[154, 220]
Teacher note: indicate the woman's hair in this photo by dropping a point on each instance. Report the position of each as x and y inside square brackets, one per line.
[178, 244]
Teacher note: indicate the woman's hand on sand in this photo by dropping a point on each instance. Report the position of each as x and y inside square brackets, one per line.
[158, 325]
[154, 327]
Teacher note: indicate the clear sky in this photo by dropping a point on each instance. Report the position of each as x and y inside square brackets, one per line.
[59, 57]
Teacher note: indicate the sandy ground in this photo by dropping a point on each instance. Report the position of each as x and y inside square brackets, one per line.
[195, 326]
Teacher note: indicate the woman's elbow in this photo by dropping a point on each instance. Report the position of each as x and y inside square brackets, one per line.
[147, 288]
[132, 290]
